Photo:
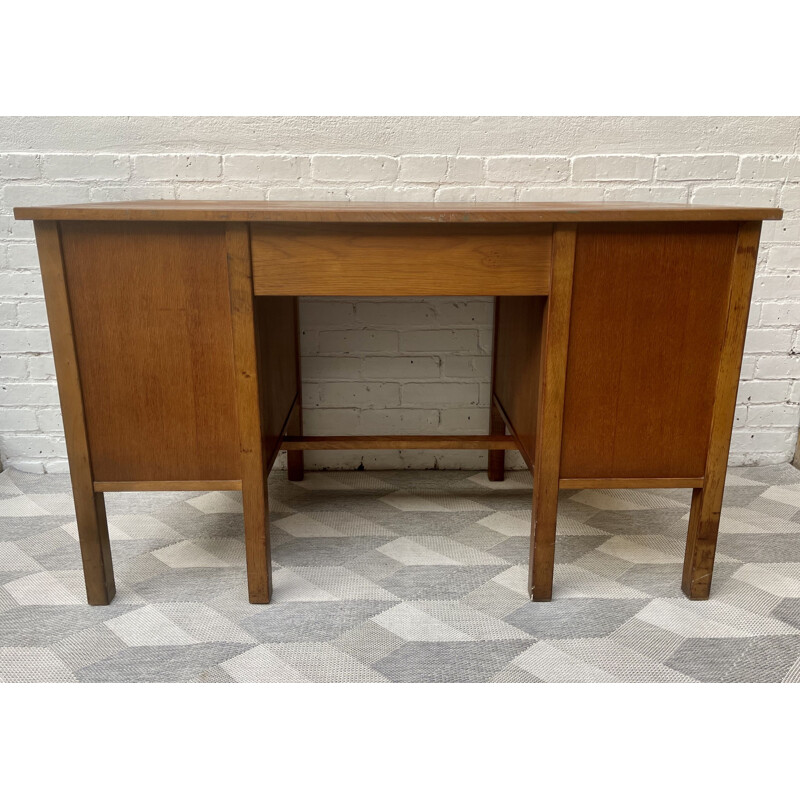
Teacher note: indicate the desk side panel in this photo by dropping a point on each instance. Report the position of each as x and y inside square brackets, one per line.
[649, 306]
[151, 313]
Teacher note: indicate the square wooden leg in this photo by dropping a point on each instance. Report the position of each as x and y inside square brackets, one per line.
[497, 458]
[701, 544]
[547, 459]
[254, 467]
[256, 536]
[543, 539]
[98, 571]
[90, 509]
[704, 517]
[497, 425]
[294, 458]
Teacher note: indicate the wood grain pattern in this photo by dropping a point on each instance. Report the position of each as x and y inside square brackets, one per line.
[517, 361]
[249, 412]
[90, 510]
[706, 506]
[400, 260]
[646, 332]
[167, 486]
[630, 483]
[151, 317]
[550, 416]
[246, 211]
[490, 442]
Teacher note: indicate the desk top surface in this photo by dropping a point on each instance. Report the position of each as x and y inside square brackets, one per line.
[241, 211]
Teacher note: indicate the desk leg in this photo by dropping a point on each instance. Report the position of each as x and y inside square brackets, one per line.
[701, 543]
[90, 510]
[497, 458]
[294, 458]
[98, 572]
[547, 458]
[251, 440]
[497, 425]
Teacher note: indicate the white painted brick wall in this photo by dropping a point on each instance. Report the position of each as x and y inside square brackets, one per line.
[375, 365]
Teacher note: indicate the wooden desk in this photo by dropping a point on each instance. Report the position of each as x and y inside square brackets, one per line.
[619, 331]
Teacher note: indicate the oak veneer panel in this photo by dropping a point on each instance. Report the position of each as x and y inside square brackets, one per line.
[245, 211]
[649, 308]
[151, 315]
[517, 353]
[276, 348]
[400, 259]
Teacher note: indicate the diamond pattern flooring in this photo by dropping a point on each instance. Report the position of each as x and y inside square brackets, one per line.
[402, 576]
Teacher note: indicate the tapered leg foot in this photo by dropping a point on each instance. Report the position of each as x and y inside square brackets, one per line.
[295, 468]
[257, 544]
[542, 560]
[98, 571]
[497, 458]
[701, 545]
[294, 458]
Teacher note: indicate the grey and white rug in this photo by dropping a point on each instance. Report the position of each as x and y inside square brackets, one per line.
[402, 576]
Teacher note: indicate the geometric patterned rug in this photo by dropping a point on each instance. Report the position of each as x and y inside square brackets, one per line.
[402, 576]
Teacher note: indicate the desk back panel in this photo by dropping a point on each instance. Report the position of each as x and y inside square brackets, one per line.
[649, 309]
[151, 313]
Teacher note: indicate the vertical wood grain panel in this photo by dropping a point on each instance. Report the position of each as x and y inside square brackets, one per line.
[647, 326]
[152, 327]
[90, 510]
